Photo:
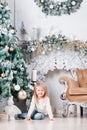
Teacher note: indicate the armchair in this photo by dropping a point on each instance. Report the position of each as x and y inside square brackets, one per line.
[76, 90]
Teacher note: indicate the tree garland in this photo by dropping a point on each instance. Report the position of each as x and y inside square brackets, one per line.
[49, 7]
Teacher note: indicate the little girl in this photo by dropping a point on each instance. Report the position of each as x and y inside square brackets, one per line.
[40, 104]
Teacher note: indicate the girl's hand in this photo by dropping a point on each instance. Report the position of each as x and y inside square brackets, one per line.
[27, 118]
[53, 119]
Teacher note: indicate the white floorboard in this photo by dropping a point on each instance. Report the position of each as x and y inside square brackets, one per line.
[70, 123]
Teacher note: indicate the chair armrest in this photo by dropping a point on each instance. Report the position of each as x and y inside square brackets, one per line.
[77, 91]
[70, 82]
[73, 86]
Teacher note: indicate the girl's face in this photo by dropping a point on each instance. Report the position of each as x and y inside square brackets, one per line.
[40, 92]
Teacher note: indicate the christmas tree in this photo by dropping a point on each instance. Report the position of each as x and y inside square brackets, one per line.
[13, 71]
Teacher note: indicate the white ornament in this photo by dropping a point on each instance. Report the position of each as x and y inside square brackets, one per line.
[22, 95]
[73, 2]
[32, 49]
[51, 6]
[31, 87]
[11, 31]
[17, 87]
[4, 31]
[42, 1]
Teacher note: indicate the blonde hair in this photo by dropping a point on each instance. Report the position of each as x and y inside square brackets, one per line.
[43, 87]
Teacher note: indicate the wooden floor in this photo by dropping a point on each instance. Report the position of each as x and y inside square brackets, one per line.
[70, 123]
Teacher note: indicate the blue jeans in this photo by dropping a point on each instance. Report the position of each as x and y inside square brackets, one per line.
[35, 115]
[22, 115]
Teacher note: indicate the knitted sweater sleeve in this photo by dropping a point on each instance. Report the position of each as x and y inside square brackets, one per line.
[48, 108]
[32, 107]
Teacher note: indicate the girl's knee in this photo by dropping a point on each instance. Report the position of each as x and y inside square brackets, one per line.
[39, 116]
